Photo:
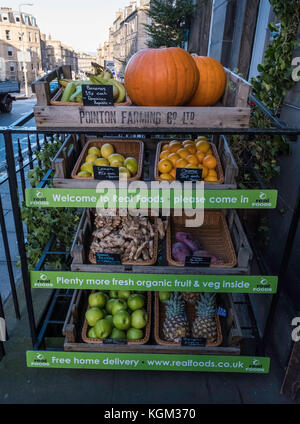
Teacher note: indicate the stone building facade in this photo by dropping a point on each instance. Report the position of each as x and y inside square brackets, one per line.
[18, 33]
[55, 53]
[84, 62]
[127, 35]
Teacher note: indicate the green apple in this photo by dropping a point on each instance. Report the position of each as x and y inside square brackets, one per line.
[113, 294]
[93, 315]
[134, 334]
[109, 304]
[139, 318]
[91, 333]
[117, 334]
[103, 328]
[118, 305]
[163, 296]
[131, 164]
[124, 294]
[98, 299]
[121, 320]
[109, 318]
[136, 301]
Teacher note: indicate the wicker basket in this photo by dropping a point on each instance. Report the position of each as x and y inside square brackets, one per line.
[151, 261]
[147, 329]
[219, 169]
[55, 101]
[159, 319]
[132, 148]
[214, 236]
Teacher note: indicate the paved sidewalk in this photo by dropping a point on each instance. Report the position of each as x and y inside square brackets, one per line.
[12, 240]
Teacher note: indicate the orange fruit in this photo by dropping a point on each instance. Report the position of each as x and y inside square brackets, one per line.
[192, 159]
[209, 152]
[165, 147]
[166, 177]
[200, 156]
[181, 163]
[173, 157]
[191, 148]
[174, 142]
[183, 153]
[174, 147]
[202, 146]
[212, 173]
[191, 166]
[164, 154]
[210, 162]
[204, 170]
[211, 179]
[165, 166]
[173, 173]
[188, 142]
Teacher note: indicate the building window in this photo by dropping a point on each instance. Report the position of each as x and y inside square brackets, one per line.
[12, 66]
[9, 51]
[29, 37]
[4, 17]
[36, 37]
[7, 34]
[17, 18]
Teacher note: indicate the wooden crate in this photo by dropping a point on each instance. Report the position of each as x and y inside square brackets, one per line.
[132, 148]
[231, 331]
[147, 329]
[65, 159]
[219, 169]
[213, 235]
[80, 250]
[190, 311]
[242, 249]
[232, 111]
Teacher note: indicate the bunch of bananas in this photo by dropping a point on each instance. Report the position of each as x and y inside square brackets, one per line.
[73, 88]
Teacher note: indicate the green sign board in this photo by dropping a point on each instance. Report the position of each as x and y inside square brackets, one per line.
[142, 362]
[154, 282]
[183, 198]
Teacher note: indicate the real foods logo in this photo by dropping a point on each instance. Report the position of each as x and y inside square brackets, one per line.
[40, 361]
[263, 286]
[43, 281]
[39, 199]
[255, 366]
[262, 201]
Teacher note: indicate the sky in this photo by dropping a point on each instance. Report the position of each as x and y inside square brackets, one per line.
[81, 24]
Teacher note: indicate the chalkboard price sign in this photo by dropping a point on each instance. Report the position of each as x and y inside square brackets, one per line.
[188, 174]
[106, 173]
[108, 259]
[189, 341]
[115, 341]
[97, 95]
[197, 261]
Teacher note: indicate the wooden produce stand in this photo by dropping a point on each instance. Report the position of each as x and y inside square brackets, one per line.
[232, 112]
[228, 238]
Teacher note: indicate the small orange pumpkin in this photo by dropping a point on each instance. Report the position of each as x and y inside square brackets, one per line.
[212, 82]
[161, 77]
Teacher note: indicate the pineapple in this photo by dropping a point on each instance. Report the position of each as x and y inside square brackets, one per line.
[175, 325]
[205, 325]
[191, 298]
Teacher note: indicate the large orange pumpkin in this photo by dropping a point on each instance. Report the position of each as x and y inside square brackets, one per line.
[161, 77]
[212, 82]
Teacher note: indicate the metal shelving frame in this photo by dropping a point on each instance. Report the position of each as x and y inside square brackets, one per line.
[47, 322]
